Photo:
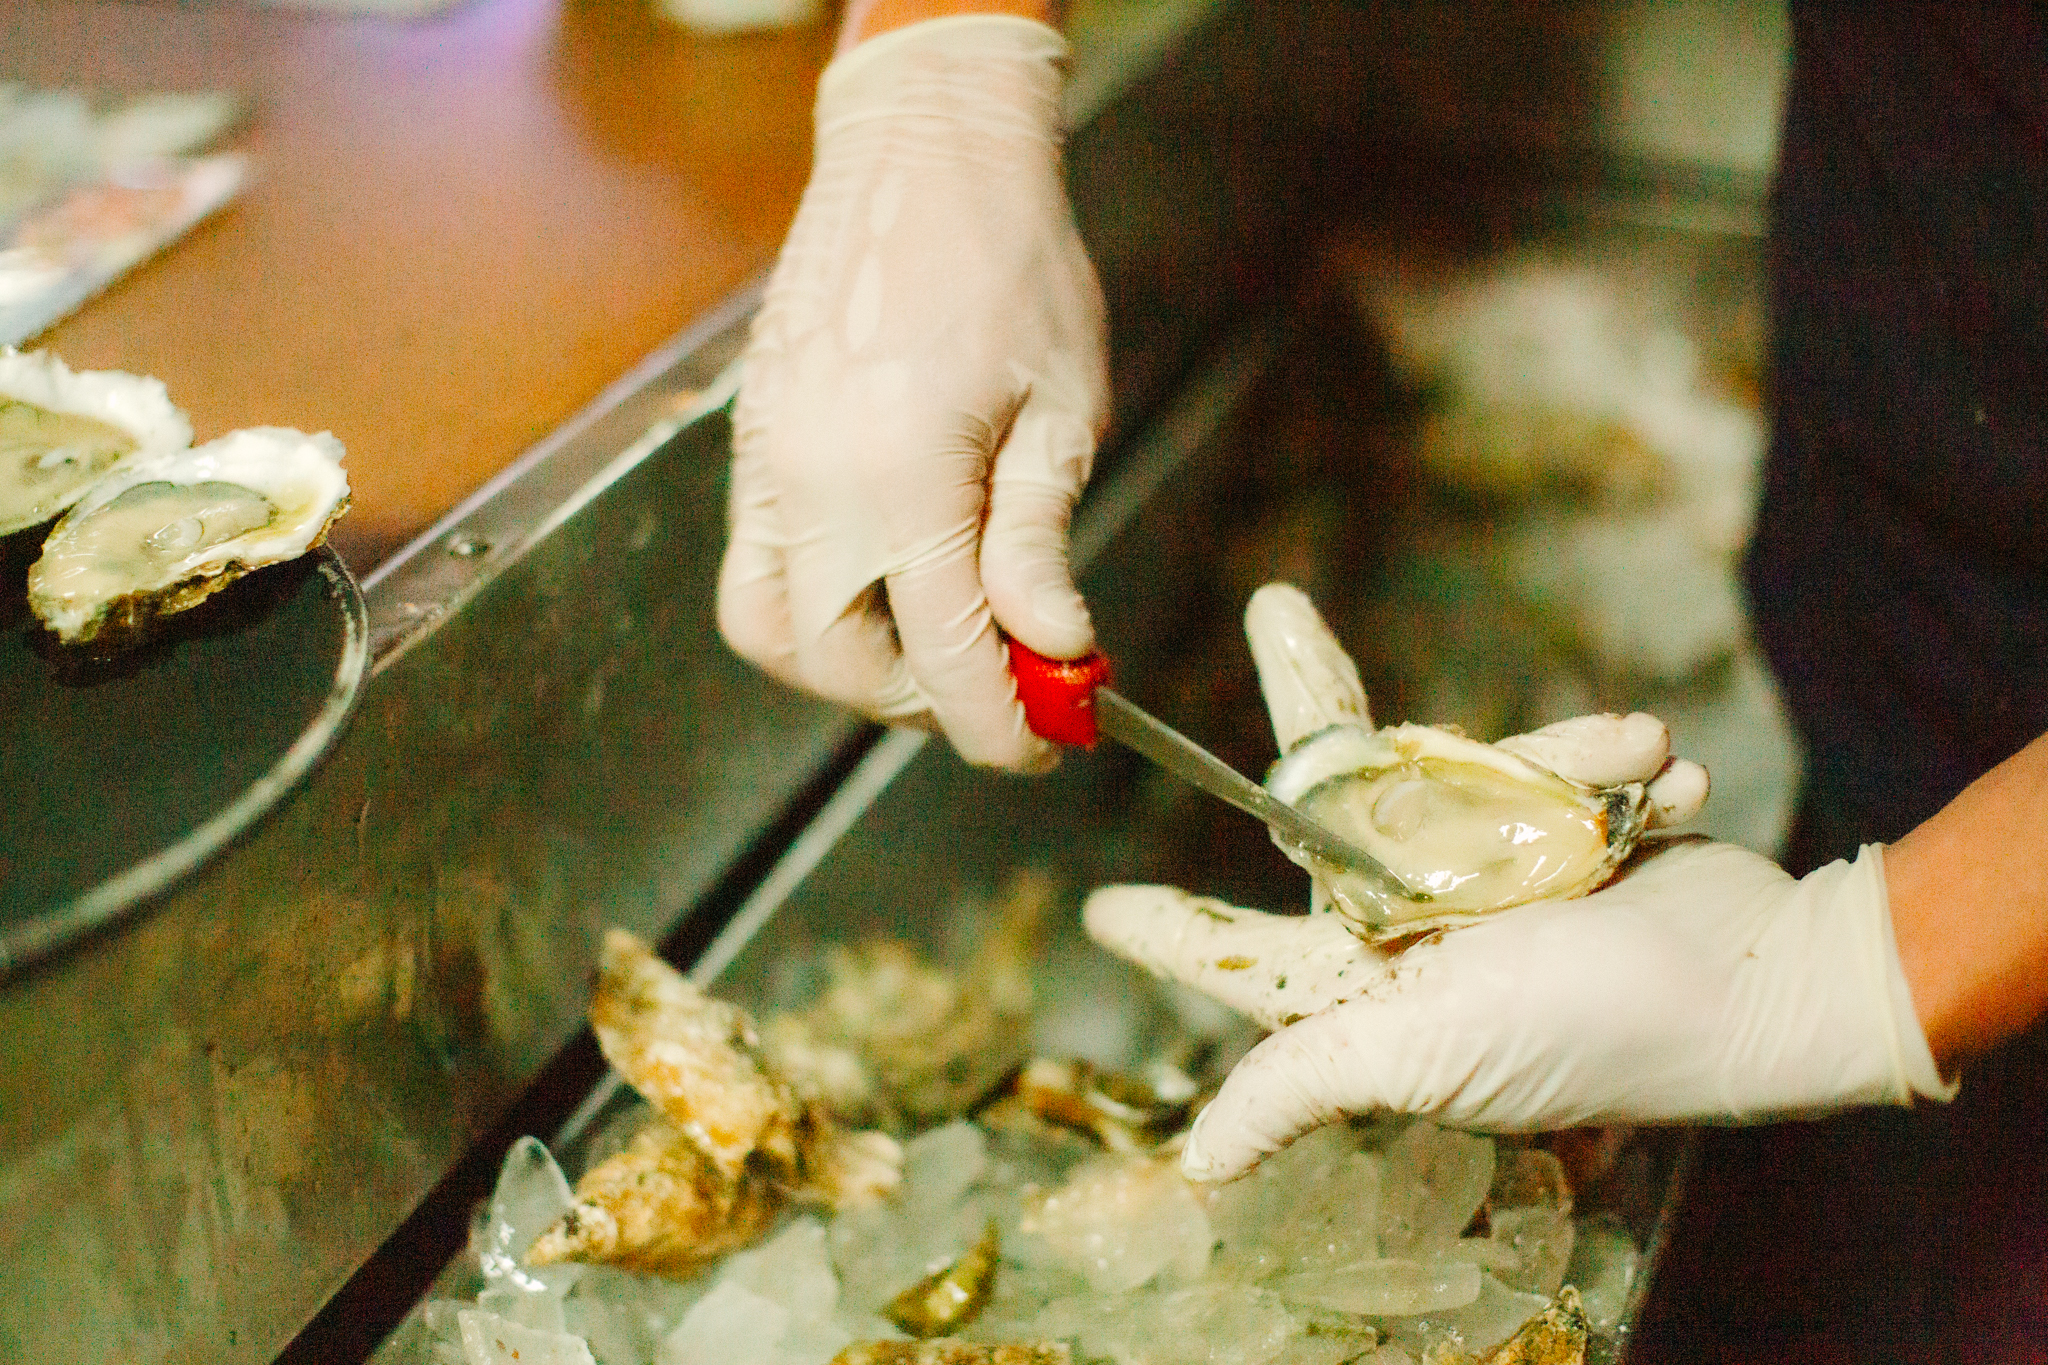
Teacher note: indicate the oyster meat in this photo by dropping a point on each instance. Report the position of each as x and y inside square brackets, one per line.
[62, 431]
[1467, 828]
[1470, 828]
[164, 531]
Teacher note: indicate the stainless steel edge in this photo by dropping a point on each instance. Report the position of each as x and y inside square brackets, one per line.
[691, 376]
[216, 1109]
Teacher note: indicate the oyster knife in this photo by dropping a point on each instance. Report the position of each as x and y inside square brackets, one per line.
[1069, 701]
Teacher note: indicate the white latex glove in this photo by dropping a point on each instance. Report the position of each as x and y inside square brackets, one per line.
[1706, 984]
[922, 393]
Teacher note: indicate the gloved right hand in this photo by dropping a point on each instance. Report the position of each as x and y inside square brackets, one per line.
[922, 393]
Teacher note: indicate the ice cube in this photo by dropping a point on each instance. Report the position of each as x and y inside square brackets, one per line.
[1529, 1213]
[1435, 1180]
[1490, 1318]
[530, 1195]
[1121, 1220]
[431, 1335]
[1204, 1324]
[1313, 1206]
[652, 1305]
[488, 1339]
[615, 1334]
[792, 1269]
[1603, 1267]
[881, 1251]
[1385, 1287]
[531, 1295]
[732, 1325]
[1542, 1243]
[812, 1343]
[939, 1166]
[1207, 1324]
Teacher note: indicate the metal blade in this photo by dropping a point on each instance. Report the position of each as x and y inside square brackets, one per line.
[1190, 762]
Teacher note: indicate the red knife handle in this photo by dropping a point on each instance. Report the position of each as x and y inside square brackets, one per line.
[1059, 694]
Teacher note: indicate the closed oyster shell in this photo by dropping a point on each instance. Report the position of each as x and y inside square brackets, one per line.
[162, 532]
[658, 1207]
[733, 1143]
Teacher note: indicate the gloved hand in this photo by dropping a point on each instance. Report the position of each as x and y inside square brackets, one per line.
[922, 393]
[1705, 983]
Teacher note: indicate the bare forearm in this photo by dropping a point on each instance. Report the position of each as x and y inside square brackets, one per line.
[866, 18]
[1969, 900]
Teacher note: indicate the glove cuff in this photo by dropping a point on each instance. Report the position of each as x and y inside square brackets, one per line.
[926, 66]
[1912, 1062]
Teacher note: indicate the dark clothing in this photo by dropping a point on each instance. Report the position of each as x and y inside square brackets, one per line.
[1899, 574]
[1899, 581]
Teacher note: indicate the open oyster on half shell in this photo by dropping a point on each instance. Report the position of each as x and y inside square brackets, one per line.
[165, 530]
[1468, 828]
[62, 431]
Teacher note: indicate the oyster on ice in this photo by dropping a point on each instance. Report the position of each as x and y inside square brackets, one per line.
[61, 431]
[164, 531]
[1469, 828]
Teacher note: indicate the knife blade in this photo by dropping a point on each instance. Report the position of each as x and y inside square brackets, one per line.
[1070, 702]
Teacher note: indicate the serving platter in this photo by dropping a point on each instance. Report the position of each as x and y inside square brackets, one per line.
[124, 772]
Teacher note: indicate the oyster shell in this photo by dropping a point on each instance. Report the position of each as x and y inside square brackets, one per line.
[733, 1143]
[163, 531]
[1469, 827]
[61, 431]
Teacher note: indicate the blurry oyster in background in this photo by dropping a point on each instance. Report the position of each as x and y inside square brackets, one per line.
[164, 531]
[898, 1041]
[733, 1143]
[61, 431]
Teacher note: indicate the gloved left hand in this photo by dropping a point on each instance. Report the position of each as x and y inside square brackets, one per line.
[1705, 983]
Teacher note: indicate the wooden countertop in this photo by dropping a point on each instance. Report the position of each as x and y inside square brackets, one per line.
[458, 230]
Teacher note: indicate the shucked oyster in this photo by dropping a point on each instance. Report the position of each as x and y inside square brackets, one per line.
[164, 531]
[60, 432]
[1468, 828]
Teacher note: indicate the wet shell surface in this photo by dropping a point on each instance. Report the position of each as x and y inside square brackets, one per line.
[1469, 828]
[164, 531]
[62, 431]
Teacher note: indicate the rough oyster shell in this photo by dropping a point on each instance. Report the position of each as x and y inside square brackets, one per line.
[61, 431]
[733, 1144]
[164, 531]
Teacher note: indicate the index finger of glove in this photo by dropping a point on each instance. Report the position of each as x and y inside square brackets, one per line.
[1272, 968]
